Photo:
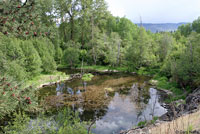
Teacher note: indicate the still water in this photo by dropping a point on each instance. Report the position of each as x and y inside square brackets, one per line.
[114, 101]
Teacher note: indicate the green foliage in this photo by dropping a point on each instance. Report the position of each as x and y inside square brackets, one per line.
[112, 55]
[185, 29]
[22, 19]
[70, 122]
[18, 72]
[12, 59]
[32, 60]
[65, 121]
[71, 54]
[154, 120]
[142, 123]
[139, 53]
[165, 46]
[14, 97]
[71, 57]
[58, 54]
[46, 51]
[189, 129]
[22, 123]
[18, 124]
[103, 68]
[182, 63]
[196, 25]
[87, 77]
[22, 60]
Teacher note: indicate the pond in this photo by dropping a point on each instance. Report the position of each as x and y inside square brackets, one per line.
[114, 101]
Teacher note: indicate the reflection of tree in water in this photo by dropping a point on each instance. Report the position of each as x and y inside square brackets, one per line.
[151, 109]
[93, 114]
[140, 96]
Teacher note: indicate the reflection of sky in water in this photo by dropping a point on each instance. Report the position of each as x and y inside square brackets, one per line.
[124, 113]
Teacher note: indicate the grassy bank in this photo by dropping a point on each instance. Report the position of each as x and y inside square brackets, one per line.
[102, 68]
[47, 78]
[95, 67]
[162, 82]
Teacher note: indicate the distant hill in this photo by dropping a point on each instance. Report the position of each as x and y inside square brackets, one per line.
[160, 27]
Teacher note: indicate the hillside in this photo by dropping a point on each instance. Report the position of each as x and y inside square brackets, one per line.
[159, 27]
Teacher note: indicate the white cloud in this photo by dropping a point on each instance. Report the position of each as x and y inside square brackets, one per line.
[156, 11]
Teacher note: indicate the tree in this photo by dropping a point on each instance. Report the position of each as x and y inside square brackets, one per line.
[14, 97]
[113, 50]
[71, 56]
[166, 42]
[71, 53]
[183, 62]
[46, 50]
[97, 45]
[185, 30]
[68, 11]
[32, 60]
[196, 25]
[12, 59]
[21, 19]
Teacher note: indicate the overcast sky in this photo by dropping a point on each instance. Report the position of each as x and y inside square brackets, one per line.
[156, 11]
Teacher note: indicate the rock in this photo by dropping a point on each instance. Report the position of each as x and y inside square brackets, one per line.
[75, 76]
[175, 110]
[166, 91]
[153, 82]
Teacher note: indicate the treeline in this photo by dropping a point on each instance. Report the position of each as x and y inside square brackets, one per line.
[83, 31]
[24, 59]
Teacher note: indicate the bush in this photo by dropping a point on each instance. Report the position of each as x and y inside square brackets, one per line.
[15, 70]
[70, 122]
[142, 123]
[65, 122]
[13, 97]
[71, 57]
[18, 125]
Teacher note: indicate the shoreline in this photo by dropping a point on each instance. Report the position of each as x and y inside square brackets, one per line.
[179, 119]
[47, 79]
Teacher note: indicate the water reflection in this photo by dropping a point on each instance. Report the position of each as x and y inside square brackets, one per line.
[116, 102]
[59, 88]
[123, 113]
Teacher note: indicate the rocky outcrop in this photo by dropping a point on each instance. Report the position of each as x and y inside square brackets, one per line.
[192, 103]
[177, 120]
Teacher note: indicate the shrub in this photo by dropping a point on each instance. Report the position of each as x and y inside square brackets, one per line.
[87, 77]
[70, 122]
[65, 122]
[15, 70]
[14, 97]
[71, 57]
[142, 123]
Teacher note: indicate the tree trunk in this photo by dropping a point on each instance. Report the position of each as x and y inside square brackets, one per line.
[118, 54]
[92, 32]
[72, 28]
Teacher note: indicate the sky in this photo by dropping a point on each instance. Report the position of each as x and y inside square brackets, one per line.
[156, 11]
